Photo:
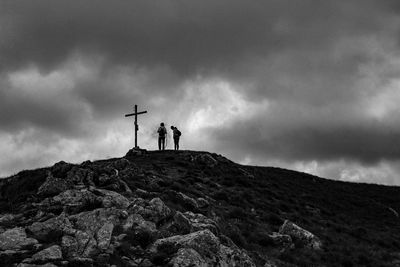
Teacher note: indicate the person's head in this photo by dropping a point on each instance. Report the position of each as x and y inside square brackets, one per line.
[162, 124]
[172, 127]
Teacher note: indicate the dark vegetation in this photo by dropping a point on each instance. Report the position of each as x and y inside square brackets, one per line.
[357, 223]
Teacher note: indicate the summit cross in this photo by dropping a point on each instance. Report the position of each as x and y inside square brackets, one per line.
[136, 124]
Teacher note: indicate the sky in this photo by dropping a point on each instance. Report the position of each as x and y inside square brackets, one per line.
[307, 85]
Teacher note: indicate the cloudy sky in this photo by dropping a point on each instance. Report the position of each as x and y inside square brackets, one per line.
[308, 85]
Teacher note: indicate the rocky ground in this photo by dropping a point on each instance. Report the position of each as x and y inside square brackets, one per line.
[191, 209]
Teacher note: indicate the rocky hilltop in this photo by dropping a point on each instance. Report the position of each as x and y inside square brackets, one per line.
[189, 208]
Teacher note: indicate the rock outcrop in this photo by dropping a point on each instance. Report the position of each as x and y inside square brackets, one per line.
[117, 213]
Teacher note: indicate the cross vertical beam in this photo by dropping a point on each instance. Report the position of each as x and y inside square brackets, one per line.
[136, 124]
[136, 127]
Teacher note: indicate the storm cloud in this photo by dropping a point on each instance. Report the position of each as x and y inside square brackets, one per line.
[309, 85]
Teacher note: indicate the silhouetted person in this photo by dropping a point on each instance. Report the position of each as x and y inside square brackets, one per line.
[176, 134]
[162, 131]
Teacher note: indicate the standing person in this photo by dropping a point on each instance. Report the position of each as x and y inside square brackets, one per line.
[162, 131]
[177, 134]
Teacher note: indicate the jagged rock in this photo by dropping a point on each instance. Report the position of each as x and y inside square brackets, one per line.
[200, 222]
[135, 152]
[233, 257]
[299, 235]
[187, 257]
[204, 242]
[50, 229]
[53, 185]
[75, 197]
[92, 221]
[180, 224]
[81, 244]
[136, 222]
[16, 239]
[112, 199]
[208, 251]
[281, 240]
[155, 210]
[104, 236]
[80, 176]
[52, 253]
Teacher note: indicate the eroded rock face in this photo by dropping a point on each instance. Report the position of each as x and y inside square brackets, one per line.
[16, 239]
[86, 215]
[300, 235]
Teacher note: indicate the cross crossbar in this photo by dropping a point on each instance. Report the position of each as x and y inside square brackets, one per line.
[136, 124]
[133, 114]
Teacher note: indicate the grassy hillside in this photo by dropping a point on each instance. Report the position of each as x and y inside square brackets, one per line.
[357, 224]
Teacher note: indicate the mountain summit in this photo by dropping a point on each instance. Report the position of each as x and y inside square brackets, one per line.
[186, 208]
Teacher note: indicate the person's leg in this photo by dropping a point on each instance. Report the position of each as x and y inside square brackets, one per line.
[177, 143]
[163, 143]
[159, 143]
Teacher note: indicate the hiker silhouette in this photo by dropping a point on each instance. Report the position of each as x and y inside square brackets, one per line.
[162, 131]
[176, 134]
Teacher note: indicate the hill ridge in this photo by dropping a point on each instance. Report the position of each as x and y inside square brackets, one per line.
[152, 208]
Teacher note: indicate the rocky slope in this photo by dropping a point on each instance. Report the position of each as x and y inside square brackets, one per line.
[192, 209]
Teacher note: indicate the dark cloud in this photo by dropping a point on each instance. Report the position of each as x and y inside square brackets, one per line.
[279, 80]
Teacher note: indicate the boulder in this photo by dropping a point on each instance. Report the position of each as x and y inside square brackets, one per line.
[155, 210]
[80, 176]
[92, 221]
[79, 245]
[300, 235]
[201, 248]
[51, 229]
[187, 257]
[16, 239]
[180, 224]
[104, 236]
[53, 185]
[52, 253]
[203, 242]
[233, 257]
[112, 199]
[200, 222]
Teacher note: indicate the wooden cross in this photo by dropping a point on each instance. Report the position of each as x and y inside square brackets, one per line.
[136, 125]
